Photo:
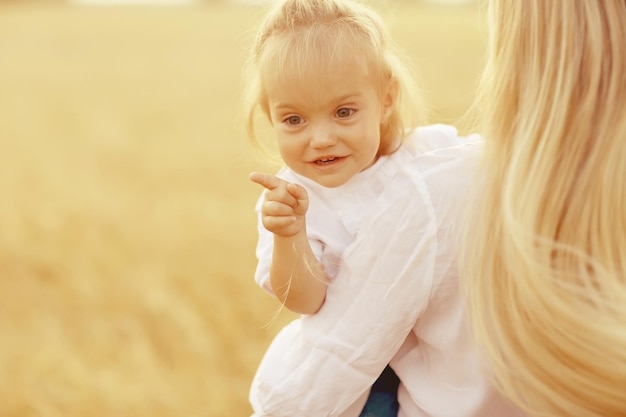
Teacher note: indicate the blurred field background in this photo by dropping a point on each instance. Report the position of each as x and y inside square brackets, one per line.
[127, 229]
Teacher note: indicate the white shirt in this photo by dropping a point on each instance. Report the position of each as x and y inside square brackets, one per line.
[395, 300]
[335, 214]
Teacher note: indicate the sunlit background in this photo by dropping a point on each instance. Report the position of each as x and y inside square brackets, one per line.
[127, 229]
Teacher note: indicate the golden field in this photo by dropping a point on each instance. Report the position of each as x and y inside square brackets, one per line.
[127, 228]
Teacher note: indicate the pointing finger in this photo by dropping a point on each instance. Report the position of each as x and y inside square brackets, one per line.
[266, 180]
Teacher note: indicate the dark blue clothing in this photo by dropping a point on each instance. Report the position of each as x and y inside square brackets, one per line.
[383, 398]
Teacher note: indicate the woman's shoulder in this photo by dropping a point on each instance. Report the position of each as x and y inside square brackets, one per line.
[438, 136]
[441, 176]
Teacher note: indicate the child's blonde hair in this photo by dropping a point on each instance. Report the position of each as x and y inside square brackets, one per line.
[545, 252]
[301, 37]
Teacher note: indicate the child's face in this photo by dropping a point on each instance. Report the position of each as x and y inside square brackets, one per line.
[328, 126]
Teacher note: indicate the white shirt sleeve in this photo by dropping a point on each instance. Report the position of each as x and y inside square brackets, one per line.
[264, 248]
[321, 364]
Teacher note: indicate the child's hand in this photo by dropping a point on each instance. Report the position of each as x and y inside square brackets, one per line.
[283, 211]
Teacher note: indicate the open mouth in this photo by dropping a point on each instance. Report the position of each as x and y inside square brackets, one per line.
[327, 161]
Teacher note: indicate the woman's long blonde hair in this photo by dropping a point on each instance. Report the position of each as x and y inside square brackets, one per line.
[545, 252]
[306, 38]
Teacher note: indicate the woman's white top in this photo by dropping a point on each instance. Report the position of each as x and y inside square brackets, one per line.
[395, 300]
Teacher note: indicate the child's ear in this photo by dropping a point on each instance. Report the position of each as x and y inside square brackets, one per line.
[389, 98]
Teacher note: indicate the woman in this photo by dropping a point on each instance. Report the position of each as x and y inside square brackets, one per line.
[545, 253]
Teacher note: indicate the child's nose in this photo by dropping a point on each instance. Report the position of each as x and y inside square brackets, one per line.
[322, 137]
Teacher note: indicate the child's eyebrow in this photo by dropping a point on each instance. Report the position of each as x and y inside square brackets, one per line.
[347, 97]
[343, 99]
[281, 106]
[332, 102]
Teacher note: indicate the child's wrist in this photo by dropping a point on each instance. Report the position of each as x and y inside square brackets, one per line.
[294, 237]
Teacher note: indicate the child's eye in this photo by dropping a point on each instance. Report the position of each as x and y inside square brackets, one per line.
[293, 120]
[344, 112]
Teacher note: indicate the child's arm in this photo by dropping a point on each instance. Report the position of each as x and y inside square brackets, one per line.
[296, 276]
